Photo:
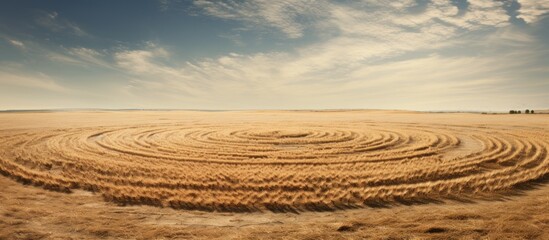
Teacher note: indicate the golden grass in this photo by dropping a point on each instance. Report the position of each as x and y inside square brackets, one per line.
[256, 163]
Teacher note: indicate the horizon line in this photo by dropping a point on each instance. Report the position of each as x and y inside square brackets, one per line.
[250, 109]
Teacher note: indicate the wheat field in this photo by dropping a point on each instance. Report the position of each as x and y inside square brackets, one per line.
[274, 161]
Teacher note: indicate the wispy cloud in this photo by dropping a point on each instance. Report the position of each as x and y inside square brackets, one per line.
[87, 56]
[289, 16]
[55, 23]
[165, 5]
[369, 17]
[148, 68]
[37, 81]
[369, 53]
[16, 43]
[309, 76]
[361, 30]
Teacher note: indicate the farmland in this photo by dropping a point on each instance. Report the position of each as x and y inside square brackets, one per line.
[277, 163]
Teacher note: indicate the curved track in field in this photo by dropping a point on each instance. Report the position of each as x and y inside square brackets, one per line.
[276, 166]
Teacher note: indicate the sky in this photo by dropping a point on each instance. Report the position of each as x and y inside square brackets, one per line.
[453, 55]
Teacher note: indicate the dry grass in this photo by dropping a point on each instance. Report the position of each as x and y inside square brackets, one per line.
[278, 161]
[277, 166]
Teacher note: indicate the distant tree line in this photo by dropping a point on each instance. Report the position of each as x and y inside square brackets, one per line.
[519, 112]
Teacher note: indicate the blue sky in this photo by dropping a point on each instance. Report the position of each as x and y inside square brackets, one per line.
[287, 54]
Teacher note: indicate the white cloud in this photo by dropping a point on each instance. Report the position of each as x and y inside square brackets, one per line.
[282, 14]
[39, 81]
[358, 43]
[357, 52]
[142, 61]
[149, 70]
[16, 43]
[367, 18]
[330, 73]
[367, 54]
[533, 10]
[164, 4]
[512, 36]
[53, 22]
[361, 31]
[78, 56]
[87, 56]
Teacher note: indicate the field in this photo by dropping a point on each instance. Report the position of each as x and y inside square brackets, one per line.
[273, 174]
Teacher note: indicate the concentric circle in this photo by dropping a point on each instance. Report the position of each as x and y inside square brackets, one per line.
[276, 166]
